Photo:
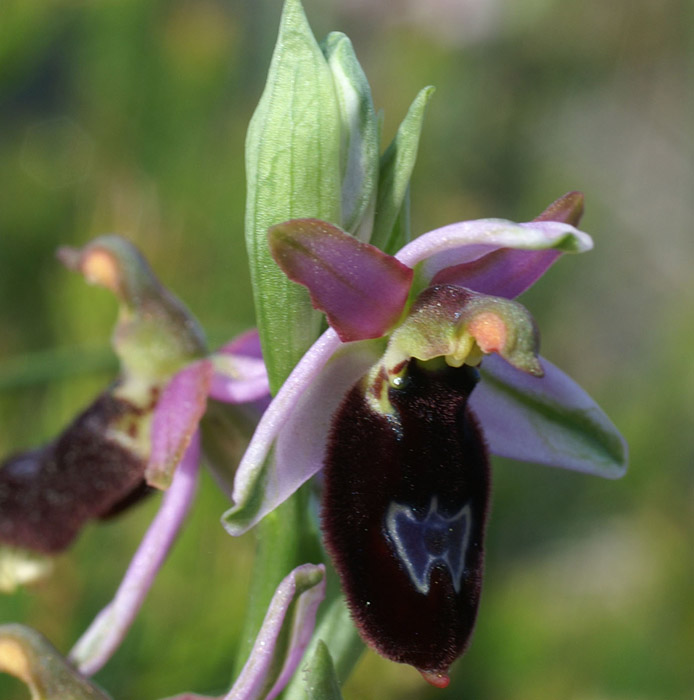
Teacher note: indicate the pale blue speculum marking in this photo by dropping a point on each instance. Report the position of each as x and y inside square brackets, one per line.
[421, 544]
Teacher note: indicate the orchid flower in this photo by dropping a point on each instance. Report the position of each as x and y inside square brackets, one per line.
[134, 436]
[277, 651]
[428, 366]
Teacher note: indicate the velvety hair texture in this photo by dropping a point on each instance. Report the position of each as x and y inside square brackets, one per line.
[47, 495]
[427, 461]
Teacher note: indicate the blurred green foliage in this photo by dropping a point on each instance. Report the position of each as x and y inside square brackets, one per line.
[129, 116]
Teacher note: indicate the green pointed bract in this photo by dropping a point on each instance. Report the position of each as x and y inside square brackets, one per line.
[27, 655]
[320, 679]
[397, 164]
[360, 137]
[155, 335]
[292, 171]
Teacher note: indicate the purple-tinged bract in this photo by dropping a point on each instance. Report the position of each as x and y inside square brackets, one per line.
[404, 513]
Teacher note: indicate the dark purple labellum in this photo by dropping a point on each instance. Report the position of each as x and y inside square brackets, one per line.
[47, 495]
[404, 514]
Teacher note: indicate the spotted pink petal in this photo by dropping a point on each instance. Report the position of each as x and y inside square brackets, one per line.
[548, 420]
[361, 289]
[175, 420]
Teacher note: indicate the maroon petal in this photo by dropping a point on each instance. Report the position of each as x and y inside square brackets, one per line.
[361, 289]
[568, 209]
[404, 513]
[47, 495]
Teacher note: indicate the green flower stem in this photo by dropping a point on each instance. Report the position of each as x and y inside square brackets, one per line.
[284, 541]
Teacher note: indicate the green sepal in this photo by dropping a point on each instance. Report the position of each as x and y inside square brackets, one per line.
[26, 654]
[397, 164]
[320, 679]
[155, 335]
[360, 136]
[292, 171]
[576, 433]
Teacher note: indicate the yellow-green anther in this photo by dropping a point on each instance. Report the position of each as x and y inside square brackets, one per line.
[462, 326]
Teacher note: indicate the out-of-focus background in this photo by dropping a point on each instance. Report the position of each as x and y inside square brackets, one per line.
[129, 116]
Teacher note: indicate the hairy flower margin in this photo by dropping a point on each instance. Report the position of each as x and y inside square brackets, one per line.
[384, 311]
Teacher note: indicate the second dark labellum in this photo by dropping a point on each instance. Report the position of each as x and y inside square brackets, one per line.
[404, 514]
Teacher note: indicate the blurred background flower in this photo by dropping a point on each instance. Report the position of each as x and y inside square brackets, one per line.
[129, 117]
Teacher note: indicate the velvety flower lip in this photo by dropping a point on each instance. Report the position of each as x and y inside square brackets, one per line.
[564, 427]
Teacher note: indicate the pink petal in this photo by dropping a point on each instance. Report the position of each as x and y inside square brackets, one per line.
[548, 420]
[238, 378]
[361, 289]
[247, 343]
[505, 272]
[520, 253]
[106, 632]
[175, 420]
[288, 446]
[304, 587]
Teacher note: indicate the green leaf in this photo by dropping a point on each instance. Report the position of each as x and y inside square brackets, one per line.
[26, 654]
[320, 679]
[397, 164]
[293, 171]
[336, 630]
[360, 136]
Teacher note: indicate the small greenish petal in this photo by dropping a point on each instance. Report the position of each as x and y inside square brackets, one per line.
[360, 136]
[26, 654]
[320, 679]
[397, 164]
[155, 335]
[292, 171]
